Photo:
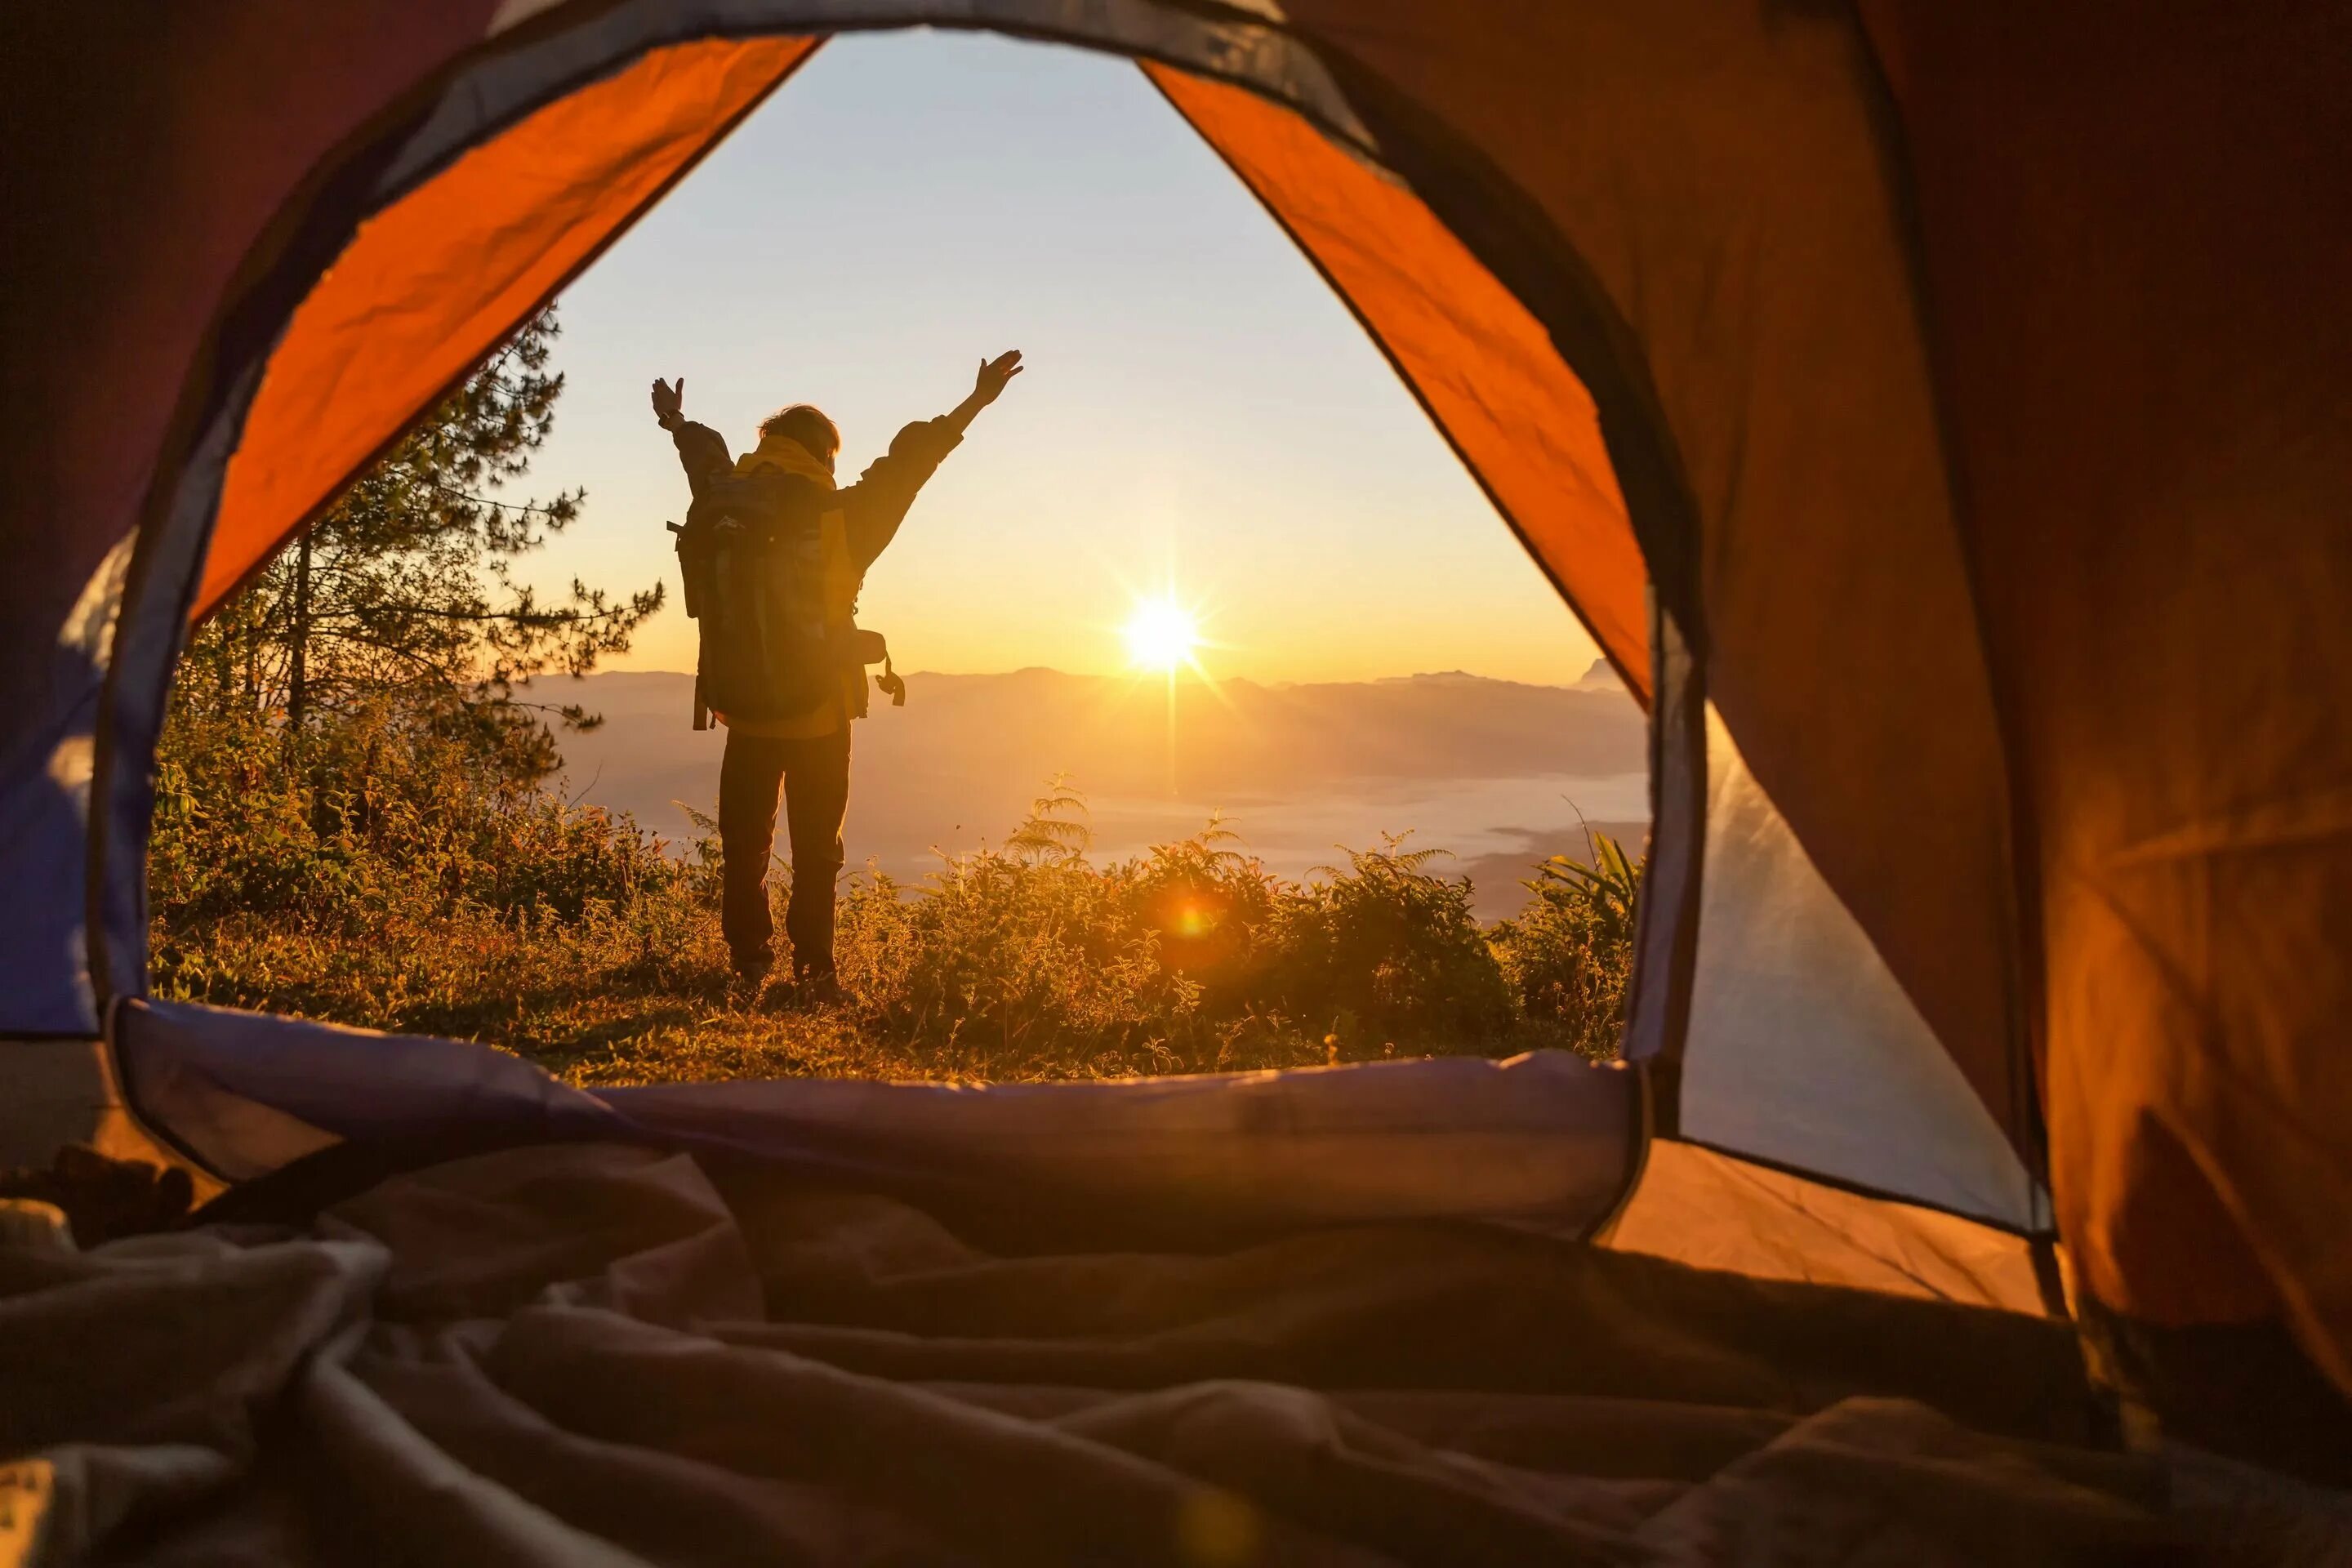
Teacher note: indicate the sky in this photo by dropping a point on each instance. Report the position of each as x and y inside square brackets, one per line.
[1199, 410]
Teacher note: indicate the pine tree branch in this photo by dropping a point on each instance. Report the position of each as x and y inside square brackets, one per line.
[525, 508]
[538, 620]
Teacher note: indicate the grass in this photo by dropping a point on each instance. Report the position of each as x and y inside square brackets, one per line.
[381, 876]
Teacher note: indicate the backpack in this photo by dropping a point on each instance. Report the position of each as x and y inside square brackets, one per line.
[751, 553]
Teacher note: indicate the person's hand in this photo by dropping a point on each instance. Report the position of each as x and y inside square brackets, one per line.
[989, 385]
[668, 400]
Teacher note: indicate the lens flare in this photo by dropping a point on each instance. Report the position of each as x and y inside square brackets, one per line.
[1160, 635]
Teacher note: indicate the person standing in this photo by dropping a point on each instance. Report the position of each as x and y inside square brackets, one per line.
[783, 661]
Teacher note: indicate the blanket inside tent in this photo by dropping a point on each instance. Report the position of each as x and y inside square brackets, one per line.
[594, 1354]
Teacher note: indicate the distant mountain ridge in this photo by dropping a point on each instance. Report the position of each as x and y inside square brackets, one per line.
[1291, 765]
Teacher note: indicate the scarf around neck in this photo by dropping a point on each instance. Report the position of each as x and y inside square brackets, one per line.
[784, 453]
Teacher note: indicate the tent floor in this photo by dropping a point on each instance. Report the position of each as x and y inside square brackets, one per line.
[591, 1353]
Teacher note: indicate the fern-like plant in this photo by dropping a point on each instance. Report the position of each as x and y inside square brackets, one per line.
[1057, 828]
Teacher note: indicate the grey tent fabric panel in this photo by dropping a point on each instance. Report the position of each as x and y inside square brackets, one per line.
[46, 804]
[1538, 1142]
[146, 649]
[1658, 1009]
[249, 1092]
[1214, 41]
[44, 983]
[1802, 1049]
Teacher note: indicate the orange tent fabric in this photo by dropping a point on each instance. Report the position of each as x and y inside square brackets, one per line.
[433, 283]
[2137, 239]
[1483, 366]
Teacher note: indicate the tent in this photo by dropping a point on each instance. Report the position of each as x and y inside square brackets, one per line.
[1937, 415]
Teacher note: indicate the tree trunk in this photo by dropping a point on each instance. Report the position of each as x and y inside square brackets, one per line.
[252, 659]
[297, 637]
[224, 677]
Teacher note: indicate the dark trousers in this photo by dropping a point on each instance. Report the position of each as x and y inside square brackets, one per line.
[814, 776]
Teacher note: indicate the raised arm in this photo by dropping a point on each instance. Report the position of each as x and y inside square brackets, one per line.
[877, 504]
[986, 389]
[701, 450]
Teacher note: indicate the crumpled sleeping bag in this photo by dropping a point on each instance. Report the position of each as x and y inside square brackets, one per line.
[591, 1353]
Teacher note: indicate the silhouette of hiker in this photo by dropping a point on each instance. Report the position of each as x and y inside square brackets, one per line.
[805, 752]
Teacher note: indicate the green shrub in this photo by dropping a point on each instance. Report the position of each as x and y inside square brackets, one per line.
[1386, 953]
[1567, 958]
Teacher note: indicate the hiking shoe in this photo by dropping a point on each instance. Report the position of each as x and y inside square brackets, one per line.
[819, 988]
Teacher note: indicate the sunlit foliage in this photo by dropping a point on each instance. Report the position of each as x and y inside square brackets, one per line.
[424, 891]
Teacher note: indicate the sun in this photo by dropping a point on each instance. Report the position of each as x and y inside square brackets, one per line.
[1160, 636]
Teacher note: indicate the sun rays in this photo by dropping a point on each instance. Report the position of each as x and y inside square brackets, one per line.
[1163, 638]
[1161, 634]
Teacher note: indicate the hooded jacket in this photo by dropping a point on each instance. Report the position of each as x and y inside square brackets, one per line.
[857, 525]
